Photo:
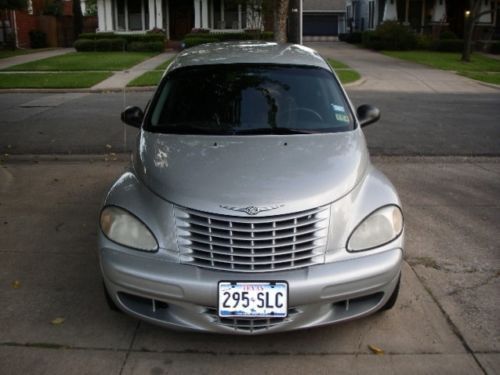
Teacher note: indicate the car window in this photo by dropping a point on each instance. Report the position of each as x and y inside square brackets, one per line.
[241, 99]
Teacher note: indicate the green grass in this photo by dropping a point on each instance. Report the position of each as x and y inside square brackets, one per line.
[152, 77]
[147, 79]
[345, 73]
[348, 75]
[493, 77]
[337, 64]
[10, 53]
[479, 68]
[51, 80]
[83, 61]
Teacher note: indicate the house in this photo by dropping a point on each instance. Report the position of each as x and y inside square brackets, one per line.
[423, 16]
[179, 17]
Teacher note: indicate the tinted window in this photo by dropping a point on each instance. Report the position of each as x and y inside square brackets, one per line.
[238, 99]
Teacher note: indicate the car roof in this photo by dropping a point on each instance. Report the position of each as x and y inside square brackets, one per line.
[248, 52]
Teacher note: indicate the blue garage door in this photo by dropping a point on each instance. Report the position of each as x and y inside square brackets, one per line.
[320, 25]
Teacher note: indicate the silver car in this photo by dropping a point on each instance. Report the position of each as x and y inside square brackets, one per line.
[251, 205]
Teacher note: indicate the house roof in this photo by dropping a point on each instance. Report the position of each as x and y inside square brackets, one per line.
[248, 52]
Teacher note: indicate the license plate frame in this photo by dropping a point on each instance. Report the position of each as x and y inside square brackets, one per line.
[254, 310]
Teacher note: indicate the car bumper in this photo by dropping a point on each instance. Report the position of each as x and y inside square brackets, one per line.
[182, 296]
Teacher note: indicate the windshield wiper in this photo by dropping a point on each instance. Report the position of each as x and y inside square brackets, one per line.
[274, 131]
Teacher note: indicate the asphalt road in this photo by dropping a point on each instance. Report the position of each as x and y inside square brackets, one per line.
[411, 124]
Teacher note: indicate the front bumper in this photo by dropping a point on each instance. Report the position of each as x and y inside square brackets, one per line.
[185, 297]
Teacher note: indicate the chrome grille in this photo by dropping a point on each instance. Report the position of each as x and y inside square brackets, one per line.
[253, 244]
[250, 324]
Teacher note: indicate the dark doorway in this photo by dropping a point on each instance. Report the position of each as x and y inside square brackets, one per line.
[181, 18]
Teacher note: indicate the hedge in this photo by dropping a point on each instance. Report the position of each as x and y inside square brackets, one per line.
[128, 37]
[354, 37]
[390, 36]
[101, 45]
[146, 47]
[447, 45]
[194, 39]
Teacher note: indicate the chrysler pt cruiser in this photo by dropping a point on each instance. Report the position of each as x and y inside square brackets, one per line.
[250, 205]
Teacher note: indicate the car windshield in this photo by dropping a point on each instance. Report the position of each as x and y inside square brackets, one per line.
[250, 99]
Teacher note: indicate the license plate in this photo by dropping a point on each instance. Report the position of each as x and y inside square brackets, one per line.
[253, 299]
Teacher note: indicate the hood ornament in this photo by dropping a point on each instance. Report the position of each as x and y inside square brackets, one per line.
[252, 210]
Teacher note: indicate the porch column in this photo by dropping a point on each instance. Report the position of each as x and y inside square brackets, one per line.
[109, 15]
[239, 16]
[407, 12]
[439, 11]
[486, 18]
[101, 20]
[197, 15]
[390, 11]
[204, 14]
[167, 19]
[159, 15]
[151, 10]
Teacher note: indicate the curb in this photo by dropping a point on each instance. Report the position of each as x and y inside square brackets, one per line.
[358, 82]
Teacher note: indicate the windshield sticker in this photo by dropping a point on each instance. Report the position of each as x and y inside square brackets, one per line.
[343, 118]
[338, 108]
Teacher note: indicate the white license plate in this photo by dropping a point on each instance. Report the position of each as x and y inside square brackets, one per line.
[253, 299]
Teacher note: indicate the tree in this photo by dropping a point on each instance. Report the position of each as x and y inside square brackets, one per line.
[77, 19]
[471, 18]
[280, 18]
[5, 7]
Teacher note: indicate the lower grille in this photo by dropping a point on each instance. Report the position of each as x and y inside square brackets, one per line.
[250, 324]
[252, 244]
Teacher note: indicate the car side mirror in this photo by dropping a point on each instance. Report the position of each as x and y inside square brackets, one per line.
[133, 116]
[367, 114]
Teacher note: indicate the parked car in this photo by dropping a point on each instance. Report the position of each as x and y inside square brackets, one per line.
[251, 205]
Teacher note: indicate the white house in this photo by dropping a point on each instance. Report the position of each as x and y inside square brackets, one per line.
[178, 17]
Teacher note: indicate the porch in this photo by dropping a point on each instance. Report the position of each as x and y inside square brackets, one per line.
[176, 17]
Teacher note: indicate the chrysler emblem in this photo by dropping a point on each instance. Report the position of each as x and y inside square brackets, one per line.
[252, 210]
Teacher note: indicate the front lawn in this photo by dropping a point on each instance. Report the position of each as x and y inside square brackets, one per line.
[84, 61]
[51, 80]
[4, 53]
[344, 72]
[152, 77]
[479, 67]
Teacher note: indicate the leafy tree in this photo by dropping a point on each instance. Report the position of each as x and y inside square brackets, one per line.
[77, 19]
[471, 19]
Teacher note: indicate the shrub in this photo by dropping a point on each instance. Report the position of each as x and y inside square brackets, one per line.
[495, 48]
[38, 39]
[390, 36]
[355, 37]
[423, 42]
[446, 35]
[447, 45]
[194, 39]
[146, 47]
[84, 45]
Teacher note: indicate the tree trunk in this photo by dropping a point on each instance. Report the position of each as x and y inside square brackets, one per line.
[77, 19]
[281, 14]
[470, 22]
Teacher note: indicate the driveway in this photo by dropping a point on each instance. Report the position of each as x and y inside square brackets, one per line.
[386, 74]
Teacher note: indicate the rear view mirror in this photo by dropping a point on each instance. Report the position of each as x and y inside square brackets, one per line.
[133, 116]
[367, 114]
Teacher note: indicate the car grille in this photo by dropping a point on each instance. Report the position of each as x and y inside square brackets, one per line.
[253, 244]
[250, 324]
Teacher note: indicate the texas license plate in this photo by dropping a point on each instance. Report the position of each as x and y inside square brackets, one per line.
[253, 299]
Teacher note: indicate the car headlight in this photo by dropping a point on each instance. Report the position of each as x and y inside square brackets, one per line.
[125, 229]
[380, 227]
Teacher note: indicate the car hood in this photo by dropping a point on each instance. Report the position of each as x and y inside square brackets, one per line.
[289, 173]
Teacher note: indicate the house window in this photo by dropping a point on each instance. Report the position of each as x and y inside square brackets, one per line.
[371, 14]
[229, 14]
[131, 15]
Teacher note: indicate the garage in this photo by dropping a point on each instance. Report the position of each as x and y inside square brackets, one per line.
[320, 25]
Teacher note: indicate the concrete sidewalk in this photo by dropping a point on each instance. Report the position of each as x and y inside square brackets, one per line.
[119, 80]
[21, 59]
[384, 73]
[446, 320]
